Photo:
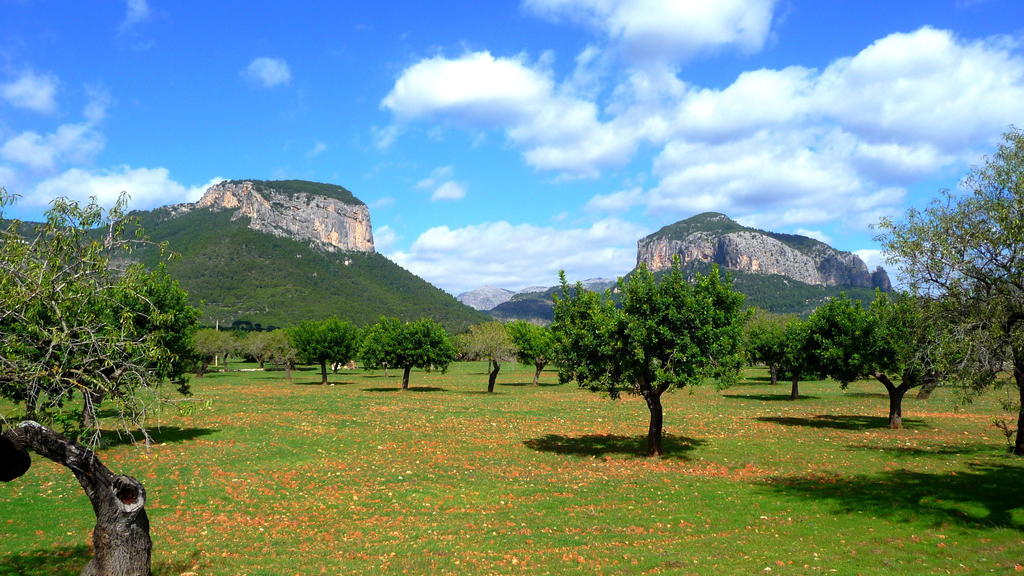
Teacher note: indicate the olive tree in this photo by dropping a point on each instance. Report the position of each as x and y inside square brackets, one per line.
[489, 340]
[669, 333]
[965, 251]
[72, 323]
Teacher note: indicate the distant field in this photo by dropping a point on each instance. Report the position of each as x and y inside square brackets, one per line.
[268, 478]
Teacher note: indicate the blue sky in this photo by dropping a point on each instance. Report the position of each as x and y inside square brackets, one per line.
[499, 142]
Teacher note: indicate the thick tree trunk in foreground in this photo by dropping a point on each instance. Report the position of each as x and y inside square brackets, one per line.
[405, 377]
[654, 430]
[323, 372]
[121, 542]
[495, 368]
[773, 369]
[540, 368]
[794, 391]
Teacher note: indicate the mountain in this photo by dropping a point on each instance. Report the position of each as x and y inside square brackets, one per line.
[279, 252]
[485, 297]
[715, 238]
[782, 273]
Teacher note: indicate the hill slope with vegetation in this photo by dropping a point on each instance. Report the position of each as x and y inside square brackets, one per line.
[239, 274]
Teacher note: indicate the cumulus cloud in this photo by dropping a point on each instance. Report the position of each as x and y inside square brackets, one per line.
[43, 152]
[518, 255]
[146, 187]
[558, 131]
[268, 72]
[442, 185]
[384, 238]
[31, 91]
[667, 30]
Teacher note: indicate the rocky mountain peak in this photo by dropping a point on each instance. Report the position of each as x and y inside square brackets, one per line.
[329, 217]
[712, 237]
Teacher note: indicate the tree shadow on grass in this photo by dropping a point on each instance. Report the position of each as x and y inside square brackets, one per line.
[981, 496]
[840, 422]
[161, 435]
[608, 444]
[409, 389]
[769, 397]
[936, 451]
[69, 560]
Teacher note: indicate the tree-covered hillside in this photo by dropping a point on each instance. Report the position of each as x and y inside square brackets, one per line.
[236, 273]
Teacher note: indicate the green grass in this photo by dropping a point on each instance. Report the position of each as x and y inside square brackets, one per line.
[269, 477]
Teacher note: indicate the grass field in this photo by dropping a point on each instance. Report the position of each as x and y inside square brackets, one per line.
[268, 477]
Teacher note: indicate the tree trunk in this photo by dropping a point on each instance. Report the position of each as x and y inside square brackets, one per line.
[201, 369]
[1018, 378]
[121, 542]
[288, 370]
[495, 368]
[536, 375]
[31, 402]
[794, 391]
[654, 429]
[405, 377]
[896, 394]
[323, 372]
[89, 402]
[773, 369]
[926, 390]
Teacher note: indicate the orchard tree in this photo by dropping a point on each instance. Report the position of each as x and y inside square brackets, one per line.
[891, 341]
[765, 341]
[70, 323]
[669, 333]
[421, 344]
[324, 341]
[279, 351]
[798, 358]
[965, 251]
[535, 345]
[490, 340]
[209, 345]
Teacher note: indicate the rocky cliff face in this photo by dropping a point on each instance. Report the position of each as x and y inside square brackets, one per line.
[332, 220]
[714, 238]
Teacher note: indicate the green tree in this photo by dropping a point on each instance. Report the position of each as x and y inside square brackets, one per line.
[278, 350]
[70, 324]
[964, 251]
[490, 340]
[535, 345]
[890, 341]
[798, 359]
[421, 344]
[324, 341]
[209, 345]
[669, 333]
[765, 341]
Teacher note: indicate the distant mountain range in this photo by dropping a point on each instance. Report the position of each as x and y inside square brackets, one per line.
[275, 253]
[783, 273]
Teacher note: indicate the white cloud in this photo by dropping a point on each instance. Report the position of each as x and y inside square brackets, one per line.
[442, 186]
[384, 238]
[31, 91]
[667, 30]
[69, 143]
[476, 88]
[517, 255]
[268, 72]
[317, 149]
[137, 12]
[559, 132]
[147, 187]
[617, 201]
[871, 257]
[449, 191]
